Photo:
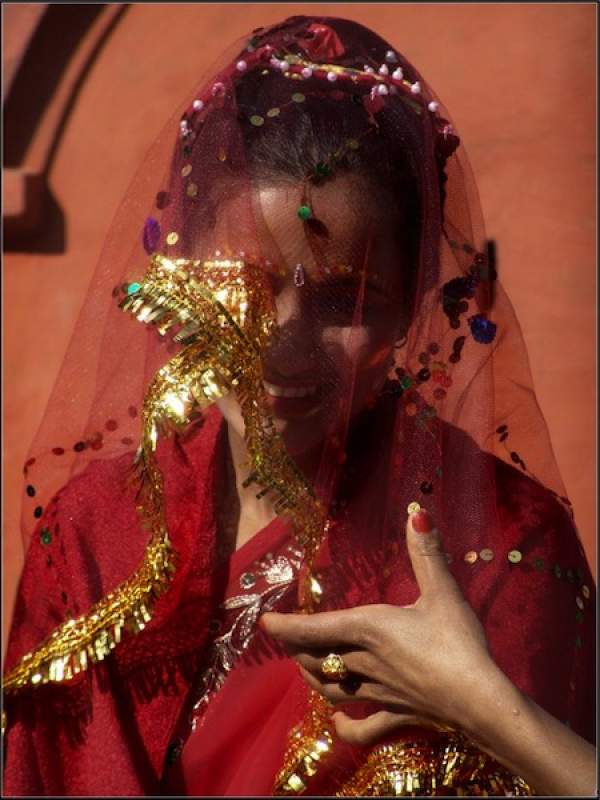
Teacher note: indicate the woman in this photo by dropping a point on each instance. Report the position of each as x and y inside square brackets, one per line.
[332, 346]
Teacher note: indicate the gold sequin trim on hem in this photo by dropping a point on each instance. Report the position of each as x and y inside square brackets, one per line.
[447, 767]
[77, 643]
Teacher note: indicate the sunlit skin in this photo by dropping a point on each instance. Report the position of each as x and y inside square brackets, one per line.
[335, 333]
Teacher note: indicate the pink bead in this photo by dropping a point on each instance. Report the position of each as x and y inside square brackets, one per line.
[382, 89]
[331, 77]
[307, 72]
[197, 105]
[397, 74]
[416, 88]
[241, 66]
[383, 70]
[433, 106]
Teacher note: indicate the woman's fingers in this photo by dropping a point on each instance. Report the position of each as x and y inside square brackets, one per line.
[356, 661]
[341, 692]
[328, 629]
[370, 729]
[427, 557]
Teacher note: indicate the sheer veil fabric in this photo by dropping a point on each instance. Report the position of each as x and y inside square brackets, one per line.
[301, 254]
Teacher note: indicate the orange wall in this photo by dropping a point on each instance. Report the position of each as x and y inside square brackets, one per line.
[519, 82]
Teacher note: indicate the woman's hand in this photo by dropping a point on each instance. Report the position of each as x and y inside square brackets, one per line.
[422, 663]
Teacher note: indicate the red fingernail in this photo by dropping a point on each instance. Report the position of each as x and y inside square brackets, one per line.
[422, 521]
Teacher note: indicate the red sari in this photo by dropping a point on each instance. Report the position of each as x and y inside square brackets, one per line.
[122, 728]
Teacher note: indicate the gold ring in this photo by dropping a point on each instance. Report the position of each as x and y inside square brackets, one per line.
[333, 667]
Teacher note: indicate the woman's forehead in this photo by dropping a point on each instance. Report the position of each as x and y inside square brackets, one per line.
[350, 228]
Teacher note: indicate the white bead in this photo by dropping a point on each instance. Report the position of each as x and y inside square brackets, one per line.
[307, 72]
[416, 87]
[370, 70]
[284, 66]
[241, 66]
[391, 57]
[183, 125]
[382, 89]
[433, 106]
[331, 77]
[274, 62]
[397, 74]
[383, 70]
[197, 105]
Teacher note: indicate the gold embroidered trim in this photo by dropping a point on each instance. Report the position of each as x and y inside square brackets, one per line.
[310, 742]
[223, 314]
[76, 643]
[450, 766]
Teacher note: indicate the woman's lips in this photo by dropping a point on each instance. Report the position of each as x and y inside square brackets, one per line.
[288, 400]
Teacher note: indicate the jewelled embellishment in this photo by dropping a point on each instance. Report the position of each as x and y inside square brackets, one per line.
[413, 507]
[515, 556]
[172, 238]
[486, 554]
[257, 120]
[247, 580]
[299, 275]
[186, 170]
[471, 557]
[483, 330]
[45, 536]
[151, 235]
[304, 212]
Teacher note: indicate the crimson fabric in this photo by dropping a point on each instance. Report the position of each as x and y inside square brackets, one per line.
[107, 733]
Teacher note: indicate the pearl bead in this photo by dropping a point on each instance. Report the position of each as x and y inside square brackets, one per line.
[416, 87]
[383, 70]
[331, 77]
[284, 66]
[433, 106]
[241, 66]
[307, 72]
[197, 105]
[382, 89]
[370, 70]
[397, 74]
[391, 57]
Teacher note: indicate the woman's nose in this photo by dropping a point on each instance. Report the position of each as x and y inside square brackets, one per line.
[288, 305]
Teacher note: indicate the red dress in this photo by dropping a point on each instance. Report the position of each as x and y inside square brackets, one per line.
[123, 727]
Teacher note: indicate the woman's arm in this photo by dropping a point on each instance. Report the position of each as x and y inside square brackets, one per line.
[428, 664]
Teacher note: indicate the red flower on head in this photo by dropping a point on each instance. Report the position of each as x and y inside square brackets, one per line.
[323, 45]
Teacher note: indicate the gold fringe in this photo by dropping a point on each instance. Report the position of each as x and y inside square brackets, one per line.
[77, 643]
[423, 769]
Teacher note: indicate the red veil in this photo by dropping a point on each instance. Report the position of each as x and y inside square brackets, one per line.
[135, 665]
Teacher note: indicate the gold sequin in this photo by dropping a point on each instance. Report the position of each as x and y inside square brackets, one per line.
[585, 591]
[172, 238]
[192, 190]
[515, 556]
[353, 144]
[257, 120]
[486, 554]
[298, 97]
[273, 112]
[186, 170]
[413, 507]
[471, 557]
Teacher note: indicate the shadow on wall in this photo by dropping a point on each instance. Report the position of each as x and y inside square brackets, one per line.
[39, 100]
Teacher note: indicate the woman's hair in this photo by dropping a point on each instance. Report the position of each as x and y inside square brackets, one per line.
[323, 133]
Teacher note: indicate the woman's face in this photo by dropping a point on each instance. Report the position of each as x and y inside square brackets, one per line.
[336, 327]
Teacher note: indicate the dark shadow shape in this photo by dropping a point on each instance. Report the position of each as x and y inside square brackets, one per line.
[32, 89]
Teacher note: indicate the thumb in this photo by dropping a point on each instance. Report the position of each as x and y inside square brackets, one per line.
[427, 557]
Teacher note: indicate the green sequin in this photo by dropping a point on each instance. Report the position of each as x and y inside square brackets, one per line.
[257, 120]
[45, 536]
[405, 382]
[304, 212]
[133, 288]
[322, 170]
[298, 97]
